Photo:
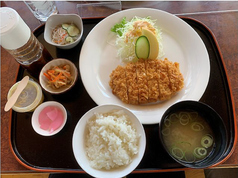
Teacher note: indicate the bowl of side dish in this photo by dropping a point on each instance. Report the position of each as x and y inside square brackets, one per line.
[109, 141]
[58, 76]
[49, 118]
[63, 30]
[193, 134]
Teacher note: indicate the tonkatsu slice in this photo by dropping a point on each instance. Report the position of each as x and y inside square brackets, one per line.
[152, 79]
[142, 81]
[118, 84]
[131, 81]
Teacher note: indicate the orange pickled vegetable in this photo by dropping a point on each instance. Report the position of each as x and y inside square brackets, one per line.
[59, 76]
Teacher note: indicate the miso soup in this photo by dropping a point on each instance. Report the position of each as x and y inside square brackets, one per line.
[187, 136]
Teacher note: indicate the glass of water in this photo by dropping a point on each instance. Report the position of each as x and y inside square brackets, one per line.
[42, 9]
[98, 9]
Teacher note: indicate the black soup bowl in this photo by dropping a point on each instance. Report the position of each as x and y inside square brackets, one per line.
[193, 134]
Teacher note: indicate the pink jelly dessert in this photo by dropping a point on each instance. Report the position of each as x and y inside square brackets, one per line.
[51, 118]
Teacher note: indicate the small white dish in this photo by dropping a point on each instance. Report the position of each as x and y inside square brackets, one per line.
[57, 62]
[35, 118]
[79, 143]
[58, 19]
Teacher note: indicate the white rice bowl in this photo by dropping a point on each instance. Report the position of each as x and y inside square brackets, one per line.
[109, 145]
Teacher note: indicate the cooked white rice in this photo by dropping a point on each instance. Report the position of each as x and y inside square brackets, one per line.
[111, 140]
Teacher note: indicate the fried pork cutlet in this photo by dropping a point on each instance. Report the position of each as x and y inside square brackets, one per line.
[175, 77]
[118, 83]
[164, 83]
[142, 81]
[152, 79]
[131, 81]
[146, 81]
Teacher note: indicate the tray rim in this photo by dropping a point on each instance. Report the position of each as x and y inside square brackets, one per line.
[229, 86]
[143, 170]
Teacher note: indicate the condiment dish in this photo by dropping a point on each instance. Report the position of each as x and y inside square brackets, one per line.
[29, 99]
[59, 19]
[193, 134]
[81, 132]
[36, 116]
[44, 81]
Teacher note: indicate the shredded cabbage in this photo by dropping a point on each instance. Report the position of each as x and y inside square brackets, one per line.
[127, 34]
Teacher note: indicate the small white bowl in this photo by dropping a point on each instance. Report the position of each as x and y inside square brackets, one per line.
[58, 19]
[78, 143]
[57, 62]
[35, 118]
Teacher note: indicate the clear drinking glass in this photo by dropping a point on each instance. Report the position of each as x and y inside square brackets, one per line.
[98, 9]
[42, 9]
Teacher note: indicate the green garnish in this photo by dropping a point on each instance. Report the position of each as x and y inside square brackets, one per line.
[196, 126]
[177, 153]
[166, 131]
[200, 152]
[119, 27]
[189, 157]
[207, 141]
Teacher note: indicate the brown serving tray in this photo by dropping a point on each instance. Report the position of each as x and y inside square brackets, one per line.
[55, 154]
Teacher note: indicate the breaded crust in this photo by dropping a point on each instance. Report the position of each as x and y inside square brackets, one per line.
[146, 81]
[164, 83]
[152, 79]
[131, 81]
[175, 77]
[142, 81]
[118, 84]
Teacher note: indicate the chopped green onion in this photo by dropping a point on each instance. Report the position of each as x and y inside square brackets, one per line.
[186, 114]
[177, 153]
[174, 118]
[166, 131]
[200, 152]
[189, 157]
[185, 144]
[184, 118]
[207, 141]
[196, 126]
[167, 122]
[193, 115]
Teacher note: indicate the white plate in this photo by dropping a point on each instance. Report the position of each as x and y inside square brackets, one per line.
[181, 43]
